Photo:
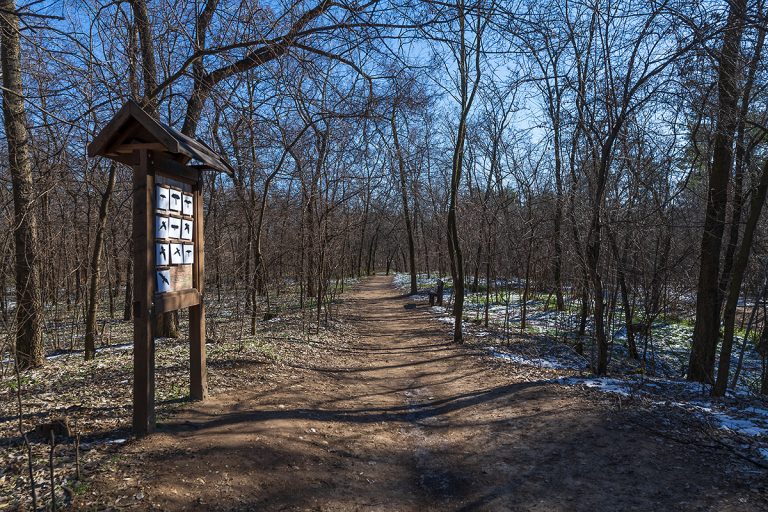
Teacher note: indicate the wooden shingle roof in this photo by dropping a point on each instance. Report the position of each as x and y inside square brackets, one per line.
[132, 128]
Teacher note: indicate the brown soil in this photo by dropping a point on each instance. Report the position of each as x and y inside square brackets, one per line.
[399, 419]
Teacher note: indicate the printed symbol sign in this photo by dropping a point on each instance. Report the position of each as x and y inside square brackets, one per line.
[186, 204]
[189, 254]
[174, 227]
[175, 201]
[162, 256]
[161, 226]
[163, 281]
[177, 257]
[186, 229]
[162, 196]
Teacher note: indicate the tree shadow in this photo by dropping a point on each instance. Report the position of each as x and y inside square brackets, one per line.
[507, 447]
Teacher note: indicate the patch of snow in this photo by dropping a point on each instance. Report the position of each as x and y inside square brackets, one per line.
[749, 421]
[743, 426]
[604, 384]
[758, 411]
[110, 348]
[539, 362]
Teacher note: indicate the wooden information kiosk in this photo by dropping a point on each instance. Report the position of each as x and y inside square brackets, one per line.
[168, 251]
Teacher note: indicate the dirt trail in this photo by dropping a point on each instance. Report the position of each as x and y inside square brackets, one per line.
[402, 420]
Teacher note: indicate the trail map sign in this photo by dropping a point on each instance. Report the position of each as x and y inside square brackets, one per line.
[168, 248]
[174, 236]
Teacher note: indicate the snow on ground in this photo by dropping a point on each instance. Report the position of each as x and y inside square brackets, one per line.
[539, 362]
[423, 283]
[665, 351]
[79, 353]
[745, 427]
[606, 385]
[443, 314]
[748, 421]
[544, 347]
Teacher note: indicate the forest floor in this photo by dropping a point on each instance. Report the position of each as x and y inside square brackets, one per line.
[390, 416]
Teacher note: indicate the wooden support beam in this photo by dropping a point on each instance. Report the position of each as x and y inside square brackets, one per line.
[198, 374]
[131, 147]
[143, 288]
[173, 301]
[177, 170]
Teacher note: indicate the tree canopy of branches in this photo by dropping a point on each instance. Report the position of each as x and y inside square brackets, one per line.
[608, 155]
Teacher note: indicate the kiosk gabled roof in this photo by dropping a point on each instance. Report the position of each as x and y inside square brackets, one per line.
[132, 128]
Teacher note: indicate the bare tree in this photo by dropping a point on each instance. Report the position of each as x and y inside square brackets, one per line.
[707, 329]
[467, 52]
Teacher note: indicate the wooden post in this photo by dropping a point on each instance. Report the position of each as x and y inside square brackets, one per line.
[143, 288]
[198, 375]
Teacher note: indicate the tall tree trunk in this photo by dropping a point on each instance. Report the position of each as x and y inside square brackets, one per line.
[558, 264]
[404, 196]
[29, 310]
[371, 262]
[95, 271]
[362, 232]
[621, 265]
[487, 277]
[707, 328]
[454, 250]
[468, 88]
[554, 106]
[741, 164]
[476, 273]
[526, 287]
[148, 66]
[594, 245]
[167, 324]
[734, 287]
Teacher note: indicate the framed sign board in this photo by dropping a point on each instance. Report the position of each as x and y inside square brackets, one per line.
[168, 241]
[174, 236]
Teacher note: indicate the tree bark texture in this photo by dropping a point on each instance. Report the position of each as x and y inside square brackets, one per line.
[29, 310]
[707, 328]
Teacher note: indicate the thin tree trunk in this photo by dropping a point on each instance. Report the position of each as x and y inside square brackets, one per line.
[752, 316]
[487, 278]
[526, 288]
[362, 233]
[621, 264]
[95, 271]
[742, 161]
[404, 196]
[734, 287]
[467, 93]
